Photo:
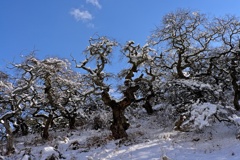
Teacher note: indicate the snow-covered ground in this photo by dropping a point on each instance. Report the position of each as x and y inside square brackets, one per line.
[148, 139]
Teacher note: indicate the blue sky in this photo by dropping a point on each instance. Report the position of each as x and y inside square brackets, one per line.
[62, 27]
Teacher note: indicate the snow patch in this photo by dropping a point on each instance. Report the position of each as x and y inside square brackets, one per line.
[200, 115]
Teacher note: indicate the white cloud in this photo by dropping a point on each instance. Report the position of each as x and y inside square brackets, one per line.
[81, 15]
[95, 3]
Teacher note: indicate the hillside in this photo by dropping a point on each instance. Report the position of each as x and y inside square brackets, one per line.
[149, 139]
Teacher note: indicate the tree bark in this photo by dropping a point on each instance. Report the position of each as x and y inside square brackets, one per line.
[148, 107]
[45, 133]
[21, 125]
[120, 124]
[24, 129]
[235, 86]
[10, 142]
[179, 66]
[72, 120]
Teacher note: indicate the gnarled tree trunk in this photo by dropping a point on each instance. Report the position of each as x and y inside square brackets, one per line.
[179, 66]
[148, 107]
[72, 120]
[24, 129]
[10, 140]
[45, 133]
[236, 88]
[120, 124]
[21, 125]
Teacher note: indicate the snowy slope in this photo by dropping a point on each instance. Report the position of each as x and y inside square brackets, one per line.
[148, 139]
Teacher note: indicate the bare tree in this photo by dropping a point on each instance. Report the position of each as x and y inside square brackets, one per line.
[13, 99]
[229, 53]
[100, 50]
[184, 39]
[224, 57]
[194, 46]
[55, 87]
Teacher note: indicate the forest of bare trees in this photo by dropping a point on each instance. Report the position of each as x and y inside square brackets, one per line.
[188, 60]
